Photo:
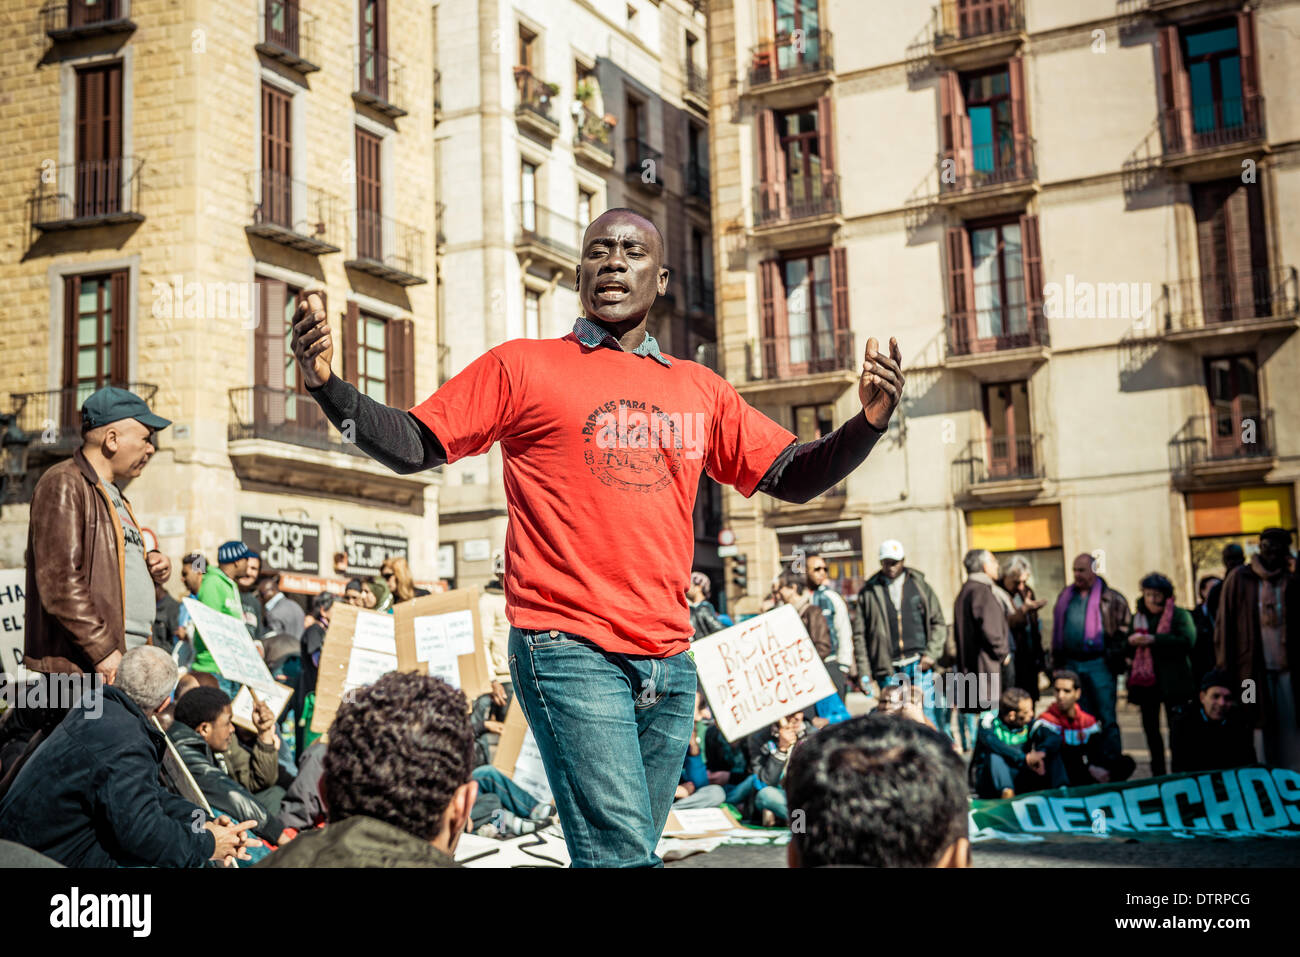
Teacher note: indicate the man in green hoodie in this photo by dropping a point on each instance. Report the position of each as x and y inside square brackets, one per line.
[219, 592]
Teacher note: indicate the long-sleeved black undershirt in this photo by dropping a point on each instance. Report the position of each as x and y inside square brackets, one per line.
[402, 442]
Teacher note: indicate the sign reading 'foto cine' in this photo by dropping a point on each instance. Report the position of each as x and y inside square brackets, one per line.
[759, 671]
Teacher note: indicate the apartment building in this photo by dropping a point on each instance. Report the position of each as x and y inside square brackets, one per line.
[1074, 218]
[548, 113]
[177, 176]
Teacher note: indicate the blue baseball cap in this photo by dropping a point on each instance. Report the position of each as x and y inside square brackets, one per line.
[231, 552]
[111, 404]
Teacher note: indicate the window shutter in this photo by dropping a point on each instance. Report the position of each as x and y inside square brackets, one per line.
[961, 293]
[826, 136]
[770, 167]
[90, 104]
[277, 158]
[840, 293]
[120, 333]
[71, 293]
[399, 345]
[350, 320]
[1175, 117]
[953, 107]
[268, 353]
[1249, 68]
[1033, 269]
[774, 324]
[1210, 202]
[113, 111]
[1019, 120]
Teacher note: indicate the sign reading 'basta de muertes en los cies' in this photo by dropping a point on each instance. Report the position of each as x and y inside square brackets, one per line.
[284, 546]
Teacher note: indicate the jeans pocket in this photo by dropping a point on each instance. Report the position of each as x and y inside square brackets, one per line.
[542, 640]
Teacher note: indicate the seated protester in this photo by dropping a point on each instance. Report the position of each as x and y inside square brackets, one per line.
[1004, 763]
[90, 796]
[694, 789]
[727, 763]
[397, 780]
[303, 806]
[230, 778]
[1071, 740]
[769, 753]
[503, 808]
[793, 590]
[488, 719]
[878, 791]
[1212, 735]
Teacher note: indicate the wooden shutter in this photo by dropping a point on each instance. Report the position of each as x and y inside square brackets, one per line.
[1249, 68]
[840, 291]
[399, 346]
[97, 178]
[775, 352]
[119, 370]
[350, 320]
[268, 353]
[953, 107]
[961, 291]
[1019, 121]
[1175, 119]
[826, 135]
[1210, 202]
[1032, 265]
[277, 157]
[71, 293]
[369, 197]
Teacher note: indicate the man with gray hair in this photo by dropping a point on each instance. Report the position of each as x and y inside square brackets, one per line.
[979, 621]
[90, 795]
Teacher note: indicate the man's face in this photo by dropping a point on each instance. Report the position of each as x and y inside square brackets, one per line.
[252, 567]
[1012, 580]
[1272, 553]
[1067, 694]
[218, 732]
[787, 594]
[1023, 714]
[817, 572]
[892, 567]
[993, 568]
[266, 590]
[130, 447]
[1083, 573]
[190, 575]
[1217, 702]
[622, 270]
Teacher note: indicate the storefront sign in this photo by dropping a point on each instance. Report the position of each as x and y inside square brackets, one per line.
[366, 551]
[284, 546]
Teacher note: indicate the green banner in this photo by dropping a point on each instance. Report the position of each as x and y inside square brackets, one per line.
[1244, 802]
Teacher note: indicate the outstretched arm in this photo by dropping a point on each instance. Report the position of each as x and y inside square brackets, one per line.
[390, 436]
[802, 472]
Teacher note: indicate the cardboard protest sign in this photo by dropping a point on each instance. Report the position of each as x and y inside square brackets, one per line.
[517, 756]
[178, 774]
[359, 649]
[759, 671]
[441, 635]
[700, 822]
[13, 608]
[241, 709]
[234, 652]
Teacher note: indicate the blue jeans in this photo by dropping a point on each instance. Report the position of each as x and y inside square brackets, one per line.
[933, 701]
[612, 731]
[1098, 699]
[513, 798]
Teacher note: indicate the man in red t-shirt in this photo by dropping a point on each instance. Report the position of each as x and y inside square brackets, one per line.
[603, 440]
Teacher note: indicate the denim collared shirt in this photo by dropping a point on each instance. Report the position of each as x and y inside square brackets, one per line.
[593, 336]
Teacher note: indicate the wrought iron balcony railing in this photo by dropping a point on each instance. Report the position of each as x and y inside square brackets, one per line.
[794, 199]
[958, 20]
[535, 94]
[986, 168]
[1222, 438]
[1270, 293]
[697, 181]
[697, 82]
[295, 214]
[387, 248]
[783, 357]
[288, 34]
[1212, 125]
[282, 415]
[379, 82]
[999, 458]
[699, 294]
[546, 227]
[69, 19]
[594, 130]
[800, 53]
[88, 193]
[997, 329]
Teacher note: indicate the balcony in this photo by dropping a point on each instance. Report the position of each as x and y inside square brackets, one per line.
[1233, 311]
[642, 169]
[79, 19]
[86, 194]
[987, 184]
[288, 35]
[696, 89]
[593, 138]
[387, 249]
[699, 295]
[533, 111]
[827, 505]
[1213, 449]
[378, 82]
[293, 214]
[697, 186]
[1001, 468]
[966, 34]
[801, 209]
[281, 438]
[807, 367]
[547, 239]
[801, 61]
[53, 418]
[1209, 140]
[995, 345]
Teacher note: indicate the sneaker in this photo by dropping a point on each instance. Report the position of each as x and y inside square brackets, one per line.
[511, 825]
[487, 830]
[542, 813]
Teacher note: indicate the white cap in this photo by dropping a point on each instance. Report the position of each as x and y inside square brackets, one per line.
[891, 548]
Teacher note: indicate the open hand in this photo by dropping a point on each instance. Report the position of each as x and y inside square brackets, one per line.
[312, 343]
[881, 384]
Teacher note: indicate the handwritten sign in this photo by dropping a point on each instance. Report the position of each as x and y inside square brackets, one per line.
[227, 638]
[441, 635]
[13, 608]
[759, 671]
[241, 709]
[359, 649]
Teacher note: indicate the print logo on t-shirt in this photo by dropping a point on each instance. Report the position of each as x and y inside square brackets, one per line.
[629, 446]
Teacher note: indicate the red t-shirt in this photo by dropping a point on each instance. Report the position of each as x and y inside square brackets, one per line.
[603, 451]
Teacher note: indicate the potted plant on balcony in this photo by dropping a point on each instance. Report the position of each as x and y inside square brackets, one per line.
[585, 91]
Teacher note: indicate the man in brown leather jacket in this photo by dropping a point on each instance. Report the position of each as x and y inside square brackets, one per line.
[90, 591]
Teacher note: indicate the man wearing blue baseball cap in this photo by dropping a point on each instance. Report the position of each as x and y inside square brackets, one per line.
[219, 591]
[90, 583]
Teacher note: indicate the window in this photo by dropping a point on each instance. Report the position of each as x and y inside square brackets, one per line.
[808, 307]
[584, 207]
[690, 49]
[634, 119]
[796, 162]
[1233, 252]
[805, 313]
[998, 271]
[96, 351]
[275, 372]
[372, 366]
[277, 155]
[528, 193]
[98, 178]
[374, 48]
[527, 49]
[796, 20]
[1209, 84]
[370, 225]
[988, 106]
[811, 422]
[1214, 76]
[1233, 385]
[1006, 421]
[995, 286]
[532, 314]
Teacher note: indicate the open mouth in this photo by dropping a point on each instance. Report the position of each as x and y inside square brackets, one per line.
[611, 290]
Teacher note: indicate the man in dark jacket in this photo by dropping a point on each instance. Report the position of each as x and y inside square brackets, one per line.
[979, 619]
[1004, 762]
[1234, 556]
[230, 778]
[1214, 734]
[903, 629]
[397, 779]
[90, 796]
[1072, 741]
